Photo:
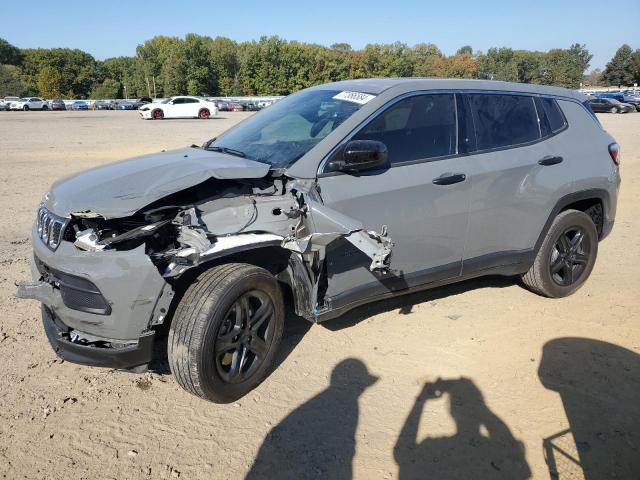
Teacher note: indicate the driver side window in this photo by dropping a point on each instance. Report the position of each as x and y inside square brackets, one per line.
[415, 128]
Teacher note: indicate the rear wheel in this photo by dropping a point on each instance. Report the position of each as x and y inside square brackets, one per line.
[566, 257]
[25, 108]
[614, 110]
[226, 330]
[157, 114]
[204, 114]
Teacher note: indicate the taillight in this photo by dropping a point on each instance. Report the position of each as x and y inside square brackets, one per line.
[614, 151]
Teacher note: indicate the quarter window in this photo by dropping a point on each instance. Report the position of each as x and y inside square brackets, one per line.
[418, 127]
[503, 120]
[551, 118]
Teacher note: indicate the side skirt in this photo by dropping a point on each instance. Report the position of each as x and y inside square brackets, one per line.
[503, 263]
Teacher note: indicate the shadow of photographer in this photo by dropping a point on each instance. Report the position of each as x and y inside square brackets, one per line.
[599, 384]
[482, 447]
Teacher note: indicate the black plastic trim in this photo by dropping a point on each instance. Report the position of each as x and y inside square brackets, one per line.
[363, 295]
[502, 263]
[111, 357]
[567, 200]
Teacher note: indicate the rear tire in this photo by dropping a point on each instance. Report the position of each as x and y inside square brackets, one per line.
[566, 257]
[25, 108]
[204, 114]
[614, 110]
[226, 330]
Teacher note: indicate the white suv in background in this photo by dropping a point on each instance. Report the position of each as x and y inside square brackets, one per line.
[29, 103]
[179, 107]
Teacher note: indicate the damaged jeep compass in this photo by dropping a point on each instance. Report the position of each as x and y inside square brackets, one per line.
[335, 196]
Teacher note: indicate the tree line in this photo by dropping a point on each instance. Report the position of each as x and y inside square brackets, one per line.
[201, 65]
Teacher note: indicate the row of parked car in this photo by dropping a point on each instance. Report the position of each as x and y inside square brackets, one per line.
[38, 103]
[616, 102]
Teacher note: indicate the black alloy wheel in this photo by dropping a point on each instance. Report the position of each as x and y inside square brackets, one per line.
[243, 339]
[570, 256]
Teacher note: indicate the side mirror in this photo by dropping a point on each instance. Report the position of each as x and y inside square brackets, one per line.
[360, 155]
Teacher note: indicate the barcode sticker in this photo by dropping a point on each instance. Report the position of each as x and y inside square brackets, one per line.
[356, 97]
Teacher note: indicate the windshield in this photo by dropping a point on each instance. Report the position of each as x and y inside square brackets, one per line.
[284, 132]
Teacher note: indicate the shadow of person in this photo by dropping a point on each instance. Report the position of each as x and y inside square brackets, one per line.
[599, 384]
[482, 447]
[317, 439]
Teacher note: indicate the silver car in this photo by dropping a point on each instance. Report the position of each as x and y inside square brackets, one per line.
[338, 195]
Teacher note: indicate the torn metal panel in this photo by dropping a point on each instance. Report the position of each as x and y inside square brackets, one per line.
[331, 224]
[222, 246]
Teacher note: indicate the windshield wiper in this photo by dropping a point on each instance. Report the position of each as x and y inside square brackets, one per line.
[230, 151]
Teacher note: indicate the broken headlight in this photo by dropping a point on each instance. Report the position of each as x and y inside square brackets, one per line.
[50, 227]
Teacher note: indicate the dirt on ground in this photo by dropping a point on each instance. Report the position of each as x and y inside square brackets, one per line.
[478, 380]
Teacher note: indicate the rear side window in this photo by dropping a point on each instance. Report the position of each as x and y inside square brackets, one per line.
[503, 120]
[550, 115]
[418, 127]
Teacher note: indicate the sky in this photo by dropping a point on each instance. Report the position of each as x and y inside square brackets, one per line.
[109, 28]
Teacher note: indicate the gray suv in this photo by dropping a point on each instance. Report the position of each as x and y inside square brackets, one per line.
[338, 195]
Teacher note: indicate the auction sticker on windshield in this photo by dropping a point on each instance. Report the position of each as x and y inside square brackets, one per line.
[356, 97]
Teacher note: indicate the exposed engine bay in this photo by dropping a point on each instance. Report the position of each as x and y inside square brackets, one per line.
[218, 217]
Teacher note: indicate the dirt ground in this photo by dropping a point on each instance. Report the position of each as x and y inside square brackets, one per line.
[522, 378]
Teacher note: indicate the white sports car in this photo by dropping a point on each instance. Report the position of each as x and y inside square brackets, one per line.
[179, 107]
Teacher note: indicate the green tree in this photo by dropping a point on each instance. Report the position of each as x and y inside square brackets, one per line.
[618, 71]
[11, 82]
[49, 82]
[426, 56]
[9, 54]
[465, 50]
[341, 47]
[108, 89]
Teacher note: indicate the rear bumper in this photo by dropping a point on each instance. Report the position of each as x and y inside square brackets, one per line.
[109, 355]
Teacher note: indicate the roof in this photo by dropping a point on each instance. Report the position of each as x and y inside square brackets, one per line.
[376, 86]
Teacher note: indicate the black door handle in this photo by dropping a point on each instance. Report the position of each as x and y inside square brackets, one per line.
[450, 179]
[550, 160]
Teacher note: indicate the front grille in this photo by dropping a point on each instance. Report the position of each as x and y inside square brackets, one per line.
[50, 227]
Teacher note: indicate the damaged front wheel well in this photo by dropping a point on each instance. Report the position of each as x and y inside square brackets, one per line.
[274, 259]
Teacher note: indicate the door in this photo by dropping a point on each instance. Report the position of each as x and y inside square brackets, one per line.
[422, 199]
[518, 173]
[175, 108]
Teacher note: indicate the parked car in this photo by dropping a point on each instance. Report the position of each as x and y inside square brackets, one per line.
[125, 106]
[336, 196]
[179, 107]
[7, 101]
[236, 107]
[79, 105]
[221, 105]
[250, 106]
[610, 105]
[615, 95]
[635, 101]
[58, 104]
[29, 103]
[102, 105]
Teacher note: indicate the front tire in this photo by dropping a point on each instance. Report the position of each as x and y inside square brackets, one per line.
[25, 108]
[204, 114]
[225, 333]
[157, 114]
[614, 110]
[566, 257]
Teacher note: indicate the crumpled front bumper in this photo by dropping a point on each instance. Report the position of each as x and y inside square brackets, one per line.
[122, 357]
[130, 285]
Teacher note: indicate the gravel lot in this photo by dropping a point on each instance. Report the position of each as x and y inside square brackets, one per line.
[502, 406]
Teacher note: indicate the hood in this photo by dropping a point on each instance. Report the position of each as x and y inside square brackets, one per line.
[120, 189]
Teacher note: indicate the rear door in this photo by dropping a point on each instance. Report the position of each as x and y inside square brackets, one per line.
[518, 173]
[423, 199]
